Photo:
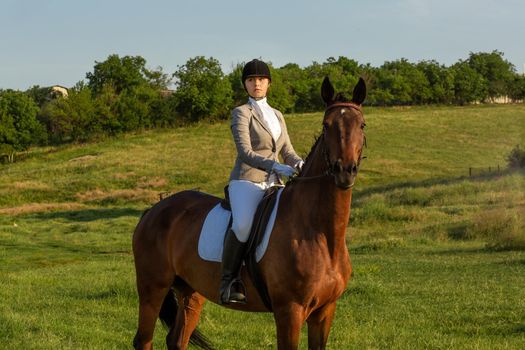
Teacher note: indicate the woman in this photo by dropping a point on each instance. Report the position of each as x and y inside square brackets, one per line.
[260, 136]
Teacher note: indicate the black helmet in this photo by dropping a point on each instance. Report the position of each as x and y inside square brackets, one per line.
[255, 68]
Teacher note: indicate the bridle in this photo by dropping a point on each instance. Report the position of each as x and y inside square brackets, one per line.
[343, 104]
[331, 167]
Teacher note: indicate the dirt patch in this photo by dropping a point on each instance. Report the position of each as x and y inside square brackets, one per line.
[85, 158]
[30, 185]
[123, 176]
[40, 207]
[152, 182]
[130, 195]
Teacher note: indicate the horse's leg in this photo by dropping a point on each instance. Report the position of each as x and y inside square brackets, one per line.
[151, 297]
[319, 323]
[190, 306]
[289, 319]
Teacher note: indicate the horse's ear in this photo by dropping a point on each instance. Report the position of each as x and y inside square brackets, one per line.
[327, 91]
[359, 92]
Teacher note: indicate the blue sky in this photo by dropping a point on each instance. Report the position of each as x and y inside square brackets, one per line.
[46, 42]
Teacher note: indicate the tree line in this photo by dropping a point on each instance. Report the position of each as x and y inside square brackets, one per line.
[121, 94]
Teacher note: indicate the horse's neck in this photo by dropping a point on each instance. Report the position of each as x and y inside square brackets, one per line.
[332, 207]
[328, 207]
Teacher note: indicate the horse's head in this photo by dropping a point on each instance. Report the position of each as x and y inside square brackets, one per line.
[343, 132]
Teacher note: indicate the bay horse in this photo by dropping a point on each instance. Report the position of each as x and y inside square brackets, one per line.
[306, 266]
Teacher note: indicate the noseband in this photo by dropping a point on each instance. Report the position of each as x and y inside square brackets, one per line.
[332, 167]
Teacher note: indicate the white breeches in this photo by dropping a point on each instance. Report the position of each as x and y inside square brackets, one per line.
[244, 199]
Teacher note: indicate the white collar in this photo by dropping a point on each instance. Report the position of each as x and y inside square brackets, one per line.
[261, 102]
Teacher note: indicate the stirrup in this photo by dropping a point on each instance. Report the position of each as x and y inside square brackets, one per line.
[227, 297]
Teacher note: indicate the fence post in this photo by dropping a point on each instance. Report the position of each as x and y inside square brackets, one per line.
[470, 172]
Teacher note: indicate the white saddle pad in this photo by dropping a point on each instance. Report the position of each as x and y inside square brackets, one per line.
[212, 233]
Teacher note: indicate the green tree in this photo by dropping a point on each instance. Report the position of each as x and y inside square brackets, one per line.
[299, 85]
[497, 72]
[469, 85]
[280, 94]
[8, 134]
[373, 94]
[120, 73]
[73, 118]
[349, 67]
[134, 106]
[127, 93]
[391, 88]
[39, 94]
[314, 75]
[19, 126]
[441, 81]
[517, 88]
[164, 112]
[406, 83]
[239, 94]
[157, 79]
[203, 92]
[105, 103]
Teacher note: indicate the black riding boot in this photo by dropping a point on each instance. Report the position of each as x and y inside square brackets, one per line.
[232, 289]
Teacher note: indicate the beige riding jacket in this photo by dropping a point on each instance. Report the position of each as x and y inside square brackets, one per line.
[256, 149]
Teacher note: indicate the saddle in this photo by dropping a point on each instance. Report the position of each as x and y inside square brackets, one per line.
[260, 221]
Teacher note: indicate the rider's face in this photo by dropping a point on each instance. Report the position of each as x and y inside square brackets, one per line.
[257, 87]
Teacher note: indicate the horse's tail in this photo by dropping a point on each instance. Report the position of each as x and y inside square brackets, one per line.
[168, 315]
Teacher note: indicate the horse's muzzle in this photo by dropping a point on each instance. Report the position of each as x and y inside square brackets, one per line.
[345, 177]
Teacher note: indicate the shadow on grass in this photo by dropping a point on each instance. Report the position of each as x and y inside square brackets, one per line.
[88, 215]
[492, 328]
[518, 262]
[433, 182]
[106, 294]
[520, 329]
[463, 250]
[458, 231]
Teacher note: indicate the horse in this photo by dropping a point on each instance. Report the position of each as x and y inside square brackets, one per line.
[306, 266]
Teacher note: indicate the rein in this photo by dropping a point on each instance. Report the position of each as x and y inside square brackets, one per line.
[330, 167]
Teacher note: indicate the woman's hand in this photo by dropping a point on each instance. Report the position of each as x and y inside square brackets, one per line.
[299, 166]
[283, 169]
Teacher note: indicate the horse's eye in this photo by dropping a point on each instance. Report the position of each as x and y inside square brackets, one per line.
[325, 125]
[363, 125]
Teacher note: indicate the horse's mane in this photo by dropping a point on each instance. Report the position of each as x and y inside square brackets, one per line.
[314, 146]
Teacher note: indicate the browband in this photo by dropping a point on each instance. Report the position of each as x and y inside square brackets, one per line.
[343, 104]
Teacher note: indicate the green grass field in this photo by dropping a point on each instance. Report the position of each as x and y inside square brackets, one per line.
[439, 257]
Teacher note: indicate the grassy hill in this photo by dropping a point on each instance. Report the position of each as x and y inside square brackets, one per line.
[438, 255]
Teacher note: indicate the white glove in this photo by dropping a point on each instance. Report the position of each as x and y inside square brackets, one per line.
[283, 169]
[299, 165]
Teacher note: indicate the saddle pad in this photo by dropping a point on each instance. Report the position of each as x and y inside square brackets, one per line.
[211, 238]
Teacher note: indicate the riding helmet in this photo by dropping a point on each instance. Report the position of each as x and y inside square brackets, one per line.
[255, 68]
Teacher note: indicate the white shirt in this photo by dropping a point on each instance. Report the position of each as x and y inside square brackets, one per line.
[268, 115]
